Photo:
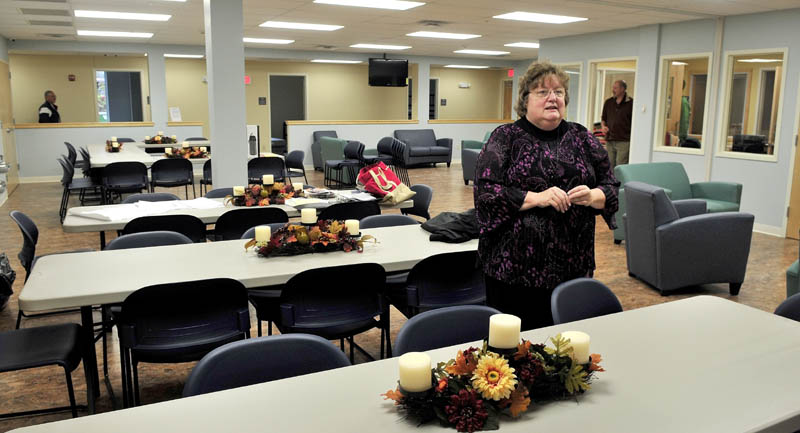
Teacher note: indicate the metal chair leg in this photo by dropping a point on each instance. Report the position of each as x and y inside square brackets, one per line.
[19, 318]
[352, 351]
[71, 392]
[259, 326]
[135, 366]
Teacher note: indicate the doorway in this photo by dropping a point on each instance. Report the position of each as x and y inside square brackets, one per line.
[433, 99]
[603, 74]
[508, 91]
[793, 211]
[119, 96]
[287, 101]
[7, 143]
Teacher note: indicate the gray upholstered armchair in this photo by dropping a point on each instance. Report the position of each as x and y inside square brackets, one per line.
[470, 150]
[424, 147]
[674, 244]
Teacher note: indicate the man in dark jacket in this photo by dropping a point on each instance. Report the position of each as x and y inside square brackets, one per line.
[616, 121]
[48, 112]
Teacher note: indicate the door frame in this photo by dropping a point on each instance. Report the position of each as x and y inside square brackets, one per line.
[792, 167]
[575, 99]
[502, 96]
[435, 98]
[593, 69]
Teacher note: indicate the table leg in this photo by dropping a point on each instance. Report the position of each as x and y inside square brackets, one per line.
[102, 240]
[90, 358]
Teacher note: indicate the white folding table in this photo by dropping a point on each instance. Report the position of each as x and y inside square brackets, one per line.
[702, 364]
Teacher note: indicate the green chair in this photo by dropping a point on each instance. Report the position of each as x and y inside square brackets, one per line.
[470, 149]
[793, 279]
[332, 152]
[719, 196]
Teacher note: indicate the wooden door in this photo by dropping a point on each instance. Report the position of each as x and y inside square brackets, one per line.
[508, 90]
[7, 119]
[793, 213]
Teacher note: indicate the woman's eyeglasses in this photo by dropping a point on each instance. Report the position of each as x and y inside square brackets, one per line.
[544, 93]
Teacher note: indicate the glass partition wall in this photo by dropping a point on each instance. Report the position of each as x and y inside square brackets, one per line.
[682, 100]
[752, 101]
[603, 74]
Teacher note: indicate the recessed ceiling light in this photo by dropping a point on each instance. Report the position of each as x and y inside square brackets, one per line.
[185, 56]
[539, 18]
[183, 1]
[122, 15]
[523, 45]
[759, 60]
[380, 4]
[677, 63]
[381, 47]
[267, 41]
[482, 52]
[114, 34]
[466, 66]
[335, 61]
[300, 26]
[442, 35]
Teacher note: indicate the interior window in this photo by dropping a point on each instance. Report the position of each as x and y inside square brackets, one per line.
[683, 88]
[119, 96]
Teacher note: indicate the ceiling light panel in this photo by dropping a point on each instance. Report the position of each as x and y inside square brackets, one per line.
[442, 35]
[114, 34]
[523, 45]
[349, 62]
[300, 26]
[184, 56]
[380, 47]
[267, 41]
[482, 52]
[466, 66]
[540, 18]
[121, 15]
[378, 4]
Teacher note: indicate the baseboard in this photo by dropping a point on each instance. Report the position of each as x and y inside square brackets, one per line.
[39, 179]
[769, 230]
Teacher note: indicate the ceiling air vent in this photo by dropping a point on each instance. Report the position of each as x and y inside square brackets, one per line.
[432, 23]
[50, 23]
[54, 35]
[50, 12]
[326, 47]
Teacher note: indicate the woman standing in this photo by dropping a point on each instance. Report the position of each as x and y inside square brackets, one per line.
[540, 182]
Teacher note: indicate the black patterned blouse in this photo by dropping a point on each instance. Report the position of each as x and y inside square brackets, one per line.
[539, 247]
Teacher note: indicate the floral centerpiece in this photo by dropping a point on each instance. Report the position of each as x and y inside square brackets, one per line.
[113, 146]
[264, 195]
[186, 152]
[473, 391]
[323, 236]
[161, 138]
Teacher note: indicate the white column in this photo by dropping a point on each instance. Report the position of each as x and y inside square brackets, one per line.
[644, 99]
[423, 90]
[157, 72]
[226, 98]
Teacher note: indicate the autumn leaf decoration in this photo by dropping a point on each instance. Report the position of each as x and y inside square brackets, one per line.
[560, 347]
[575, 380]
[522, 350]
[519, 401]
[462, 365]
[594, 362]
[393, 394]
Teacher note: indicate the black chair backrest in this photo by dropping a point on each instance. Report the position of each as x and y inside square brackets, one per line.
[154, 196]
[207, 171]
[196, 139]
[233, 223]
[264, 359]
[346, 211]
[172, 313]
[125, 140]
[385, 145]
[172, 169]
[219, 193]
[125, 174]
[582, 298]
[67, 172]
[295, 159]
[305, 303]
[30, 236]
[422, 201]
[251, 232]
[258, 167]
[430, 285]
[387, 220]
[147, 239]
[319, 134]
[351, 150]
[187, 225]
[444, 327]
[72, 154]
[790, 308]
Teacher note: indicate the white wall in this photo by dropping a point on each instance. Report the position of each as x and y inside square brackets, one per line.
[765, 184]
[38, 148]
[301, 136]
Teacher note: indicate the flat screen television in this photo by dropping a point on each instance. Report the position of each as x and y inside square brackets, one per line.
[388, 72]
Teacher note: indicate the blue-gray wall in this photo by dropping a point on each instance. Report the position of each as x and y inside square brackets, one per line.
[766, 184]
[3, 49]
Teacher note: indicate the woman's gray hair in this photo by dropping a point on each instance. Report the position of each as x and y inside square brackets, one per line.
[534, 77]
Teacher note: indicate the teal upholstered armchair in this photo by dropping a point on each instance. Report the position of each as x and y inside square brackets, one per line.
[470, 149]
[719, 196]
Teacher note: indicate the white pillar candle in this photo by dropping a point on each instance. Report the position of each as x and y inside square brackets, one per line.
[579, 341]
[415, 371]
[168, 150]
[504, 331]
[146, 138]
[160, 132]
[203, 149]
[308, 216]
[297, 186]
[352, 227]
[185, 144]
[263, 233]
[238, 190]
[114, 144]
[175, 137]
[268, 179]
[113, 138]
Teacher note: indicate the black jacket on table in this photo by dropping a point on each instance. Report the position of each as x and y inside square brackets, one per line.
[48, 113]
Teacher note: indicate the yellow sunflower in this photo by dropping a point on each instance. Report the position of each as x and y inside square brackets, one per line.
[493, 378]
